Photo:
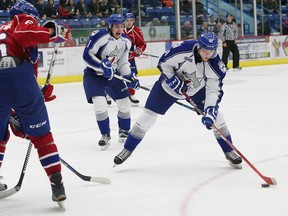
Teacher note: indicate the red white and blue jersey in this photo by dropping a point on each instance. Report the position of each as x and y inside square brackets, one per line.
[21, 32]
[137, 39]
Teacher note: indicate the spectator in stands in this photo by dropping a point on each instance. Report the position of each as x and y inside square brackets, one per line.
[50, 10]
[40, 6]
[167, 3]
[102, 24]
[221, 18]
[5, 4]
[153, 3]
[186, 7]
[217, 29]
[164, 21]
[155, 22]
[65, 11]
[271, 5]
[105, 8]
[202, 28]
[200, 8]
[211, 23]
[82, 10]
[94, 8]
[187, 30]
[117, 10]
[70, 41]
[200, 19]
[114, 3]
[263, 28]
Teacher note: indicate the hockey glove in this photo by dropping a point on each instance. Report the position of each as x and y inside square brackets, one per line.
[15, 125]
[61, 31]
[136, 53]
[176, 84]
[47, 92]
[107, 68]
[211, 113]
[134, 84]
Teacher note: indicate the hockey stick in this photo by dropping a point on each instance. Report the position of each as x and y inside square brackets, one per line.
[101, 180]
[147, 89]
[268, 180]
[146, 54]
[52, 63]
[10, 192]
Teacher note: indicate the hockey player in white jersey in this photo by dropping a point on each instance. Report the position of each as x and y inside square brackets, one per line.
[194, 67]
[106, 53]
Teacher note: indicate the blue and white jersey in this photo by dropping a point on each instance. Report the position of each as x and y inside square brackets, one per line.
[184, 60]
[102, 45]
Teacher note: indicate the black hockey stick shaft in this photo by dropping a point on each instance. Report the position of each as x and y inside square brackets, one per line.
[102, 180]
[52, 63]
[10, 192]
[268, 180]
[146, 54]
[147, 89]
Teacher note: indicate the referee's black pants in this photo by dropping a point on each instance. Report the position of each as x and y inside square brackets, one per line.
[231, 47]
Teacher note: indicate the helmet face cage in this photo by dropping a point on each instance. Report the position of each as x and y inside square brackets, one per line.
[24, 7]
[208, 41]
[115, 19]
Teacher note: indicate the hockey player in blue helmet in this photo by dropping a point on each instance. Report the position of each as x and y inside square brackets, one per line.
[194, 67]
[106, 54]
[24, 7]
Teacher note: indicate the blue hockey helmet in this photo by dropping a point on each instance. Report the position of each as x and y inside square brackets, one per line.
[208, 41]
[129, 16]
[24, 7]
[115, 19]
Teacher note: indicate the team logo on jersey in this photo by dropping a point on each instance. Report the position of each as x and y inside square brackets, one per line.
[194, 81]
[113, 55]
[29, 22]
[222, 66]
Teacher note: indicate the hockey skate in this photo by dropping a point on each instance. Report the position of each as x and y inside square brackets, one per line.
[3, 187]
[134, 100]
[104, 142]
[237, 68]
[233, 159]
[58, 191]
[121, 157]
[122, 135]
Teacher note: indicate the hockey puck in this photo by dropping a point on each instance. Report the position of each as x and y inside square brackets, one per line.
[265, 185]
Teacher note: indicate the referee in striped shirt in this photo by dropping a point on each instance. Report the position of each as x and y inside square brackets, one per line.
[228, 35]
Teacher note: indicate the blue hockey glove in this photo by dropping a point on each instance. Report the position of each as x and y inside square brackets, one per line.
[211, 113]
[176, 84]
[134, 84]
[107, 69]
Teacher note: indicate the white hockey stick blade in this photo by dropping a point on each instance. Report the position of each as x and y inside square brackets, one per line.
[8, 193]
[102, 180]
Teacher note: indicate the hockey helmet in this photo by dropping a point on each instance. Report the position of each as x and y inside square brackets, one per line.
[129, 16]
[208, 41]
[24, 7]
[115, 19]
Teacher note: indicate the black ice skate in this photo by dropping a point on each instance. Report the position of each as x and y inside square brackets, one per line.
[233, 159]
[104, 142]
[134, 100]
[58, 191]
[121, 157]
[123, 134]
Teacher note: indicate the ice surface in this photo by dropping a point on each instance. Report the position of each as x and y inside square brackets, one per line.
[178, 169]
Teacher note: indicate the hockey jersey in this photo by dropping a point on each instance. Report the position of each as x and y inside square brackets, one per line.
[184, 60]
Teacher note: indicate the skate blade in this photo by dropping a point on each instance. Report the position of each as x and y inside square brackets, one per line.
[105, 146]
[61, 205]
[122, 140]
[235, 166]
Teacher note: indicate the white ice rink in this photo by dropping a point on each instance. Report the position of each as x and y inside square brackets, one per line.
[178, 169]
